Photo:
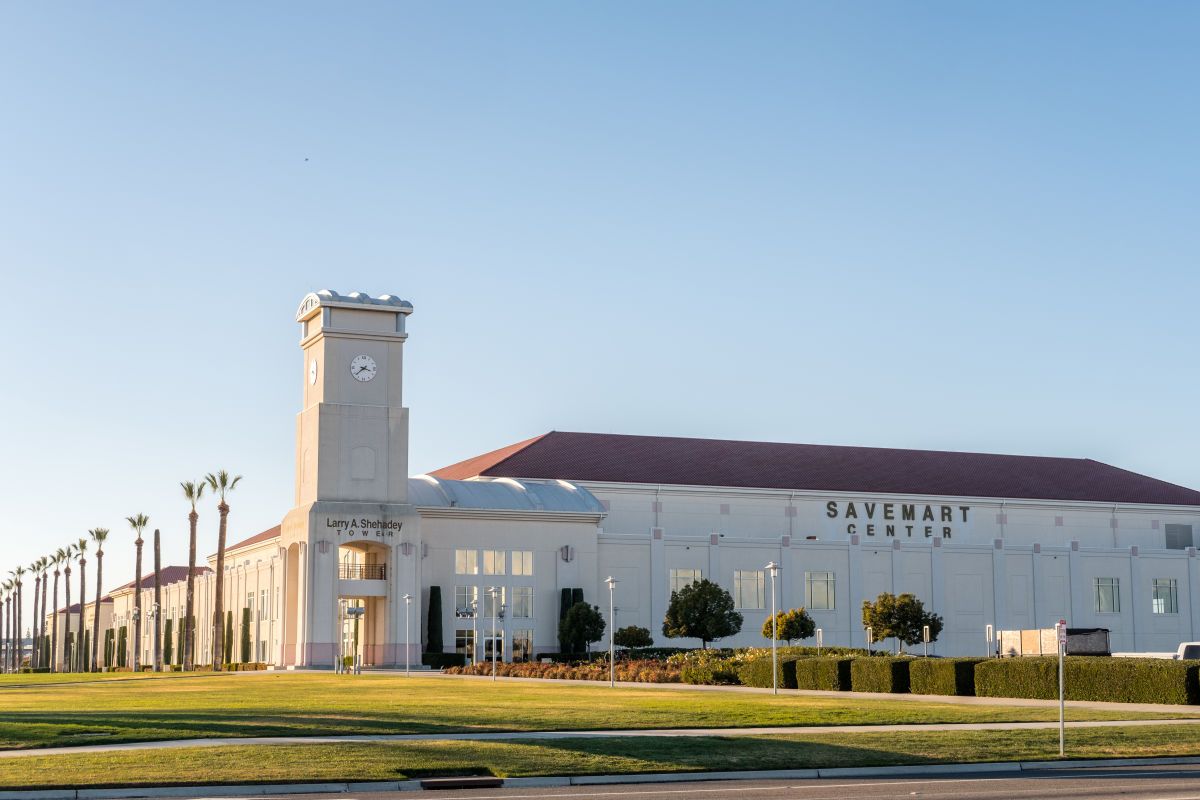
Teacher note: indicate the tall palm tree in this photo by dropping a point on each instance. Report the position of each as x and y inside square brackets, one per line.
[157, 601]
[98, 536]
[5, 644]
[37, 590]
[138, 522]
[46, 562]
[60, 555]
[221, 485]
[192, 492]
[69, 644]
[81, 547]
[20, 573]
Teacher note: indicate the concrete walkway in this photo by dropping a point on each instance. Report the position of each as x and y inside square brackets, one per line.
[549, 735]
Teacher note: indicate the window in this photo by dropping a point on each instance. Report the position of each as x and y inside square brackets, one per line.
[1166, 596]
[1179, 537]
[522, 645]
[466, 562]
[465, 601]
[522, 562]
[487, 603]
[522, 602]
[493, 562]
[250, 603]
[748, 586]
[263, 604]
[1108, 595]
[819, 587]
[683, 577]
[464, 642]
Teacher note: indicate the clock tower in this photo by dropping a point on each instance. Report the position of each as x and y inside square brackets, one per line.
[351, 543]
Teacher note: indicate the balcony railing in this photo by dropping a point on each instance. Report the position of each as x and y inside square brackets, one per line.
[362, 572]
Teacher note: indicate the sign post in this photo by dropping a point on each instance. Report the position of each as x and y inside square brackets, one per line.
[925, 638]
[1061, 629]
[870, 639]
[820, 639]
[987, 633]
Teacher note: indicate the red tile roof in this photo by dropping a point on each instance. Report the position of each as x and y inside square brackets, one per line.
[167, 576]
[612, 458]
[270, 533]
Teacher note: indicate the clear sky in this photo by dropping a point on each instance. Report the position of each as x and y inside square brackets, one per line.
[934, 225]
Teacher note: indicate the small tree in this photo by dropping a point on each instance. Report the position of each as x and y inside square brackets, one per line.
[227, 637]
[433, 626]
[123, 646]
[701, 611]
[789, 625]
[583, 625]
[564, 605]
[168, 640]
[632, 636]
[245, 635]
[900, 617]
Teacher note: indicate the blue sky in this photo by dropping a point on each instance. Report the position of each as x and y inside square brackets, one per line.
[936, 225]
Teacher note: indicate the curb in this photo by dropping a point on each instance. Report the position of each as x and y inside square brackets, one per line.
[914, 770]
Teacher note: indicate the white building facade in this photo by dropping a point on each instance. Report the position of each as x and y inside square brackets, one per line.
[1007, 541]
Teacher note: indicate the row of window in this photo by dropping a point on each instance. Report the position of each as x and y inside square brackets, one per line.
[1164, 598]
[750, 588]
[466, 602]
[522, 644]
[467, 562]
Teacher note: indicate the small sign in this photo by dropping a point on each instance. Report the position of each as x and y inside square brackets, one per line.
[1062, 631]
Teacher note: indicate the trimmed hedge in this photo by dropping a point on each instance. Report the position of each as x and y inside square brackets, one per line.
[1098, 678]
[825, 674]
[881, 674]
[952, 676]
[443, 660]
[756, 671]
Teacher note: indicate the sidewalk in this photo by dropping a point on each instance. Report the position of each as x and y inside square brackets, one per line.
[550, 735]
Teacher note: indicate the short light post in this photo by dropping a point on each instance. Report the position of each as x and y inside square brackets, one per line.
[820, 639]
[870, 639]
[493, 592]
[987, 634]
[474, 632]
[154, 628]
[925, 637]
[773, 569]
[612, 623]
[407, 634]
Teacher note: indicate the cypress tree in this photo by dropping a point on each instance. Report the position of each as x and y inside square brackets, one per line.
[168, 641]
[434, 623]
[227, 650]
[245, 636]
[122, 645]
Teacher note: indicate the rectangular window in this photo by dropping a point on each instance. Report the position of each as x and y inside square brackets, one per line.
[522, 562]
[465, 601]
[487, 604]
[466, 562]
[819, 588]
[464, 642]
[1108, 595]
[250, 603]
[1166, 596]
[1179, 537]
[749, 588]
[684, 577]
[263, 604]
[522, 602]
[493, 562]
[522, 645]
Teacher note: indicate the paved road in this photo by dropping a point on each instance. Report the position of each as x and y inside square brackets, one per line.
[258, 741]
[1133, 783]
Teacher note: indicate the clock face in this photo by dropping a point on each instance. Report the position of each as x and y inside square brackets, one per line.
[312, 372]
[363, 368]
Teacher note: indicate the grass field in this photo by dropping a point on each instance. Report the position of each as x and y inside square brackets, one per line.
[48, 710]
[397, 761]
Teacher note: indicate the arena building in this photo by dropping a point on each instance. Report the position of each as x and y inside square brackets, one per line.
[1006, 541]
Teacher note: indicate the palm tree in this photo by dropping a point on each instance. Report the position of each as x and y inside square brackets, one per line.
[68, 649]
[81, 547]
[221, 485]
[138, 522]
[46, 562]
[60, 555]
[20, 573]
[37, 589]
[192, 492]
[5, 639]
[98, 536]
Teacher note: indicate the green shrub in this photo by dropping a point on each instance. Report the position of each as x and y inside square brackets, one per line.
[883, 674]
[951, 676]
[1096, 678]
[708, 667]
[443, 660]
[830, 674]
[755, 670]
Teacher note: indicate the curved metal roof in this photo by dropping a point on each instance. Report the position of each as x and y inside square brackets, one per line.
[502, 494]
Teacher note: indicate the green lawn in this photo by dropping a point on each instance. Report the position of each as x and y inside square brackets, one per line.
[49, 710]
[396, 761]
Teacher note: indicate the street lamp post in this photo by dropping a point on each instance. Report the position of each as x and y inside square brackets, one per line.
[493, 591]
[612, 623]
[773, 569]
[820, 638]
[870, 638]
[407, 633]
